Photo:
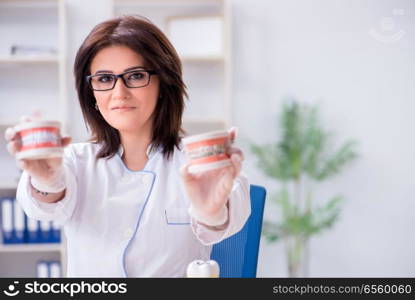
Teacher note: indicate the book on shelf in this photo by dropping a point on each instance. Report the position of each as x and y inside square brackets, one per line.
[32, 50]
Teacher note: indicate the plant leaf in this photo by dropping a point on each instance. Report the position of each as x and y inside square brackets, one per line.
[336, 161]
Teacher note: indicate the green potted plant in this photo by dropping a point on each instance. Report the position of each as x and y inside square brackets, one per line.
[300, 159]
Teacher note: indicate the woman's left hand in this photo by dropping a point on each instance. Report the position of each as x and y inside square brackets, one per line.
[209, 191]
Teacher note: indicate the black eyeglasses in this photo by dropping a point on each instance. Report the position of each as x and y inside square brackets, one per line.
[132, 79]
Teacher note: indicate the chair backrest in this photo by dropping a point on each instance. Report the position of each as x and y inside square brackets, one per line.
[237, 255]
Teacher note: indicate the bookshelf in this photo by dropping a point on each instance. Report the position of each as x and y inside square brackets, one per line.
[33, 55]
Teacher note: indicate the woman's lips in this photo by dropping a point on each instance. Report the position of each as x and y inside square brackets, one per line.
[123, 108]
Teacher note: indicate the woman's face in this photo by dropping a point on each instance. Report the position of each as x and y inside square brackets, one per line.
[125, 109]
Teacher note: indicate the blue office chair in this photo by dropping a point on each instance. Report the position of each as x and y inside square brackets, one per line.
[237, 255]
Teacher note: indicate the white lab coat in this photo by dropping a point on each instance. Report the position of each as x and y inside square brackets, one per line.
[119, 222]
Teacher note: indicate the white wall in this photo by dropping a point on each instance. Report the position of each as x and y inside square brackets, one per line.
[321, 51]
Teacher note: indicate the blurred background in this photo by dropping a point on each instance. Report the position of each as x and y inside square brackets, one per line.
[243, 60]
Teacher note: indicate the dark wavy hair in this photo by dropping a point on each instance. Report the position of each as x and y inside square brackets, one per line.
[143, 37]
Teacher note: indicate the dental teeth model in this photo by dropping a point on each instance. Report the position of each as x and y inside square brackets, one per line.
[40, 139]
[207, 151]
[203, 269]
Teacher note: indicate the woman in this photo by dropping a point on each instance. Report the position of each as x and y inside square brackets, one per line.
[128, 204]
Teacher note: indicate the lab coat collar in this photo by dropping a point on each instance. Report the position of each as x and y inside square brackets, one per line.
[149, 153]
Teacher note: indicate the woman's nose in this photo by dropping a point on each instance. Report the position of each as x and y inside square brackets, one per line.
[120, 91]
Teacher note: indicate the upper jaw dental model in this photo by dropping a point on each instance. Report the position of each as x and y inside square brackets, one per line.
[39, 139]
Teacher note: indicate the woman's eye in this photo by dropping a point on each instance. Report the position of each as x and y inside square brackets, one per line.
[105, 78]
[136, 76]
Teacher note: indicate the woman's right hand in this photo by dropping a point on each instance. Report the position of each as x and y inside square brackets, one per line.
[46, 174]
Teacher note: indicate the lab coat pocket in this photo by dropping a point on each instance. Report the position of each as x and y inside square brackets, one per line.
[177, 216]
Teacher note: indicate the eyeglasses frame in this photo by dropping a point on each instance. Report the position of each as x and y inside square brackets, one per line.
[150, 73]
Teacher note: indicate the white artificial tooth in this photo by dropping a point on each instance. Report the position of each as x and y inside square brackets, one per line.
[214, 268]
[203, 269]
[193, 268]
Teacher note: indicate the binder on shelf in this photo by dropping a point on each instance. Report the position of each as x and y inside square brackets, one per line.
[33, 231]
[45, 232]
[19, 223]
[17, 228]
[42, 269]
[55, 269]
[7, 220]
[55, 232]
[48, 269]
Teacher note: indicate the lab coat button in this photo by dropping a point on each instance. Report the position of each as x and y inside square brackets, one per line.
[128, 233]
